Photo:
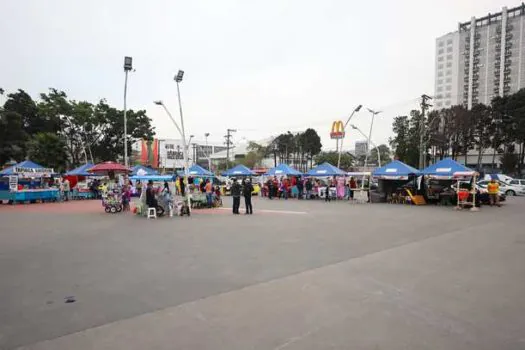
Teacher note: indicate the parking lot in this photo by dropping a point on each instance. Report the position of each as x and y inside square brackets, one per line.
[295, 275]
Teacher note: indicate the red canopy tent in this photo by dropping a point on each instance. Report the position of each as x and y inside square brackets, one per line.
[109, 168]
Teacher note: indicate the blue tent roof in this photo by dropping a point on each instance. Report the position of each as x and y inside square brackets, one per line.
[325, 169]
[283, 169]
[444, 168]
[152, 177]
[145, 170]
[197, 170]
[395, 169]
[24, 164]
[81, 170]
[238, 170]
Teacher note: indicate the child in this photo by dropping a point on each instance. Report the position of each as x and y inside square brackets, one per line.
[126, 198]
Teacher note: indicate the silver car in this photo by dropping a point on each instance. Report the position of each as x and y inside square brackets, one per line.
[507, 189]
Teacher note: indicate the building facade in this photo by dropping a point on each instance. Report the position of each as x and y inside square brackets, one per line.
[483, 59]
[361, 148]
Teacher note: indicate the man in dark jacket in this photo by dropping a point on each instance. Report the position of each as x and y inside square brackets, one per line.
[300, 188]
[247, 192]
[235, 191]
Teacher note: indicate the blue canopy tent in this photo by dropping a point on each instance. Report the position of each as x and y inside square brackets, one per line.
[238, 170]
[198, 171]
[445, 169]
[26, 164]
[325, 169]
[395, 170]
[283, 169]
[152, 177]
[81, 170]
[142, 170]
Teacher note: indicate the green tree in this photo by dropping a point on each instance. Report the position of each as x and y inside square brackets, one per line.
[384, 152]
[400, 141]
[12, 137]
[482, 118]
[49, 149]
[347, 161]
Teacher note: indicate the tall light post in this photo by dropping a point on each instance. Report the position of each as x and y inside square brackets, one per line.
[207, 152]
[127, 67]
[184, 145]
[341, 145]
[373, 144]
[370, 134]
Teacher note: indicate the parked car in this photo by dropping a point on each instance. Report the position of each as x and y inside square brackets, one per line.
[507, 189]
[518, 183]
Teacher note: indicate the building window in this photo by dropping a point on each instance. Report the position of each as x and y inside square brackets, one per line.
[447, 95]
[440, 66]
[448, 87]
[439, 89]
[449, 57]
[440, 81]
[449, 49]
[441, 43]
[440, 51]
[439, 104]
[449, 64]
[440, 59]
[447, 102]
[449, 72]
[440, 74]
[439, 97]
[449, 42]
[449, 80]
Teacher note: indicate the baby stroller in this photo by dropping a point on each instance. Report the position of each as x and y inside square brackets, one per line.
[112, 203]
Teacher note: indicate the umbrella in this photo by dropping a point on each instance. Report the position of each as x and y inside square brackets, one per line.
[109, 167]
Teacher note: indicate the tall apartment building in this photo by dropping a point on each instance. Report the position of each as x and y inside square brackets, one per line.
[361, 148]
[484, 58]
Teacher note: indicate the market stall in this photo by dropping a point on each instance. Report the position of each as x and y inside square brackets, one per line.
[361, 192]
[238, 171]
[142, 170]
[76, 177]
[326, 170]
[396, 183]
[27, 182]
[438, 180]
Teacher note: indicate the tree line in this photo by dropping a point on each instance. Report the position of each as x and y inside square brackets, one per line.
[61, 133]
[453, 132]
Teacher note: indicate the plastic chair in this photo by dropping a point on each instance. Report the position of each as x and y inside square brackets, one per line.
[152, 213]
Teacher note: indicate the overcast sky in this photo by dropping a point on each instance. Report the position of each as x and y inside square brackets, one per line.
[262, 67]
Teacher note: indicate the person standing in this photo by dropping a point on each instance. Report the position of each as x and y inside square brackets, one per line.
[308, 186]
[247, 192]
[269, 183]
[209, 192]
[300, 188]
[493, 189]
[235, 191]
[353, 186]
[182, 186]
[67, 189]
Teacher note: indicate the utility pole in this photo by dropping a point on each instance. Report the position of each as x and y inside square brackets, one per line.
[422, 146]
[229, 143]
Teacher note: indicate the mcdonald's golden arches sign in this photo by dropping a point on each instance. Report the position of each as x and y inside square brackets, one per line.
[338, 130]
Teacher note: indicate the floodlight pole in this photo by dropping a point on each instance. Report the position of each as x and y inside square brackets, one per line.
[340, 145]
[370, 134]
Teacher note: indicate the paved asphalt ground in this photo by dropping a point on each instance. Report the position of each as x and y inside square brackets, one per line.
[296, 275]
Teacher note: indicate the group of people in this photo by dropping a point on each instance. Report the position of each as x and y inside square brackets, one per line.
[309, 188]
[245, 188]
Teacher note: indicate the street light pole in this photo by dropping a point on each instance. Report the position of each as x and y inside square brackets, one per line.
[207, 152]
[184, 147]
[127, 67]
[373, 144]
[370, 134]
[344, 129]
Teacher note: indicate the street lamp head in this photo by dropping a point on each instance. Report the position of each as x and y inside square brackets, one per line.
[353, 126]
[358, 108]
[159, 102]
[128, 63]
[207, 134]
[179, 76]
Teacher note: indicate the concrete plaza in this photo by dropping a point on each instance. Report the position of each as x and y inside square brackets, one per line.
[295, 275]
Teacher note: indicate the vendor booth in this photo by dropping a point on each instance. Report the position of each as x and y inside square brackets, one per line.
[198, 171]
[397, 183]
[76, 177]
[238, 171]
[142, 170]
[283, 170]
[361, 192]
[325, 170]
[440, 177]
[27, 182]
